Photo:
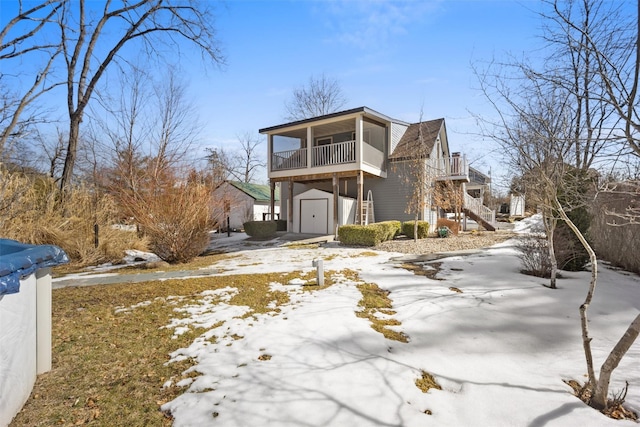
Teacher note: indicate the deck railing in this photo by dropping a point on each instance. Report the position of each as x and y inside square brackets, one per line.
[334, 154]
[322, 155]
[451, 167]
[290, 159]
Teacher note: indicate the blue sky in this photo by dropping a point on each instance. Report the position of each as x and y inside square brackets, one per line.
[394, 57]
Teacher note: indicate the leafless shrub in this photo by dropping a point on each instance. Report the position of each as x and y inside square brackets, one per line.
[176, 220]
[534, 255]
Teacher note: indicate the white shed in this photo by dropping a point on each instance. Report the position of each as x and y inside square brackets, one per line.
[313, 212]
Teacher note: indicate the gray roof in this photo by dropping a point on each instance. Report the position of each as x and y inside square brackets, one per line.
[410, 143]
[365, 110]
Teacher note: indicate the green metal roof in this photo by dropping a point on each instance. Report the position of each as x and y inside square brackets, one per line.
[261, 193]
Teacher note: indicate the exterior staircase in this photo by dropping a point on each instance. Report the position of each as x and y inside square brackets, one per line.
[475, 210]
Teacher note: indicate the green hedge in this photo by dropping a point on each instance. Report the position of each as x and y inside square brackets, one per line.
[260, 229]
[368, 235]
[423, 229]
[281, 224]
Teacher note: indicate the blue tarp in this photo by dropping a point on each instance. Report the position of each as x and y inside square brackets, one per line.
[18, 260]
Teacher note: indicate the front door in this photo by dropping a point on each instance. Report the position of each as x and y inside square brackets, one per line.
[314, 214]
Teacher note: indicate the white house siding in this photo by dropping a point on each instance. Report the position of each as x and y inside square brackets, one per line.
[261, 211]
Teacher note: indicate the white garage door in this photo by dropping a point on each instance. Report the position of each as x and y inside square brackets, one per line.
[313, 216]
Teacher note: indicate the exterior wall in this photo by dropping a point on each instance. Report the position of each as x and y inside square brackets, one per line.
[390, 195]
[242, 207]
[397, 130]
[261, 210]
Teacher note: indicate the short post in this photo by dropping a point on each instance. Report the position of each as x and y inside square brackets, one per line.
[319, 271]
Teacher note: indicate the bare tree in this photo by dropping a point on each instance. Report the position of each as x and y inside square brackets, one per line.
[618, 66]
[576, 118]
[91, 45]
[249, 159]
[321, 95]
[221, 165]
[19, 39]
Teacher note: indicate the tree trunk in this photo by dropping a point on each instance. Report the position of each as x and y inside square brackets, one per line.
[552, 256]
[599, 398]
[70, 159]
[584, 321]
[550, 228]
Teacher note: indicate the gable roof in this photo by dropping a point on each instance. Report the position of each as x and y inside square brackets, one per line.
[259, 192]
[365, 110]
[410, 144]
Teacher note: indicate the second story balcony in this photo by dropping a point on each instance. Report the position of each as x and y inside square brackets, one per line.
[338, 153]
[454, 168]
[341, 145]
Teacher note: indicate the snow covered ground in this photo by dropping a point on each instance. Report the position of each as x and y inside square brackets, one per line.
[500, 348]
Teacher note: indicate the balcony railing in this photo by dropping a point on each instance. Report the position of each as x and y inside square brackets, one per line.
[322, 155]
[455, 167]
[334, 154]
[290, 159]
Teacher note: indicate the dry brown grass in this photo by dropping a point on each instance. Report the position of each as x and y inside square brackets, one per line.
[377, 308]
[31, 213]
[427, 382]
[109, 366]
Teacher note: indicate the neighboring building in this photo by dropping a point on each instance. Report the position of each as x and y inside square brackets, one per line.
[242, 202]
[359, 159]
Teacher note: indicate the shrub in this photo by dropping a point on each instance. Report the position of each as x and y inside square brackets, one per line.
[388, 230]
[176, 220]
[570, 253]
[368, 235]
[423, 229]
[534, 255]
[450, 224]
[359, 235]
[260, 229]
[281, 225]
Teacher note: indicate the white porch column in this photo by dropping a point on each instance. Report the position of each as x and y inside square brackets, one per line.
[309, 145]
[269, 151]
[359, 146]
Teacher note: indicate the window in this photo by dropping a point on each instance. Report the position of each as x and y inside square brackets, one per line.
[324, 141]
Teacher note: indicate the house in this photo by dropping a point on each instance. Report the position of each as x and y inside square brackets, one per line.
[242, 202]
[362, 159]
